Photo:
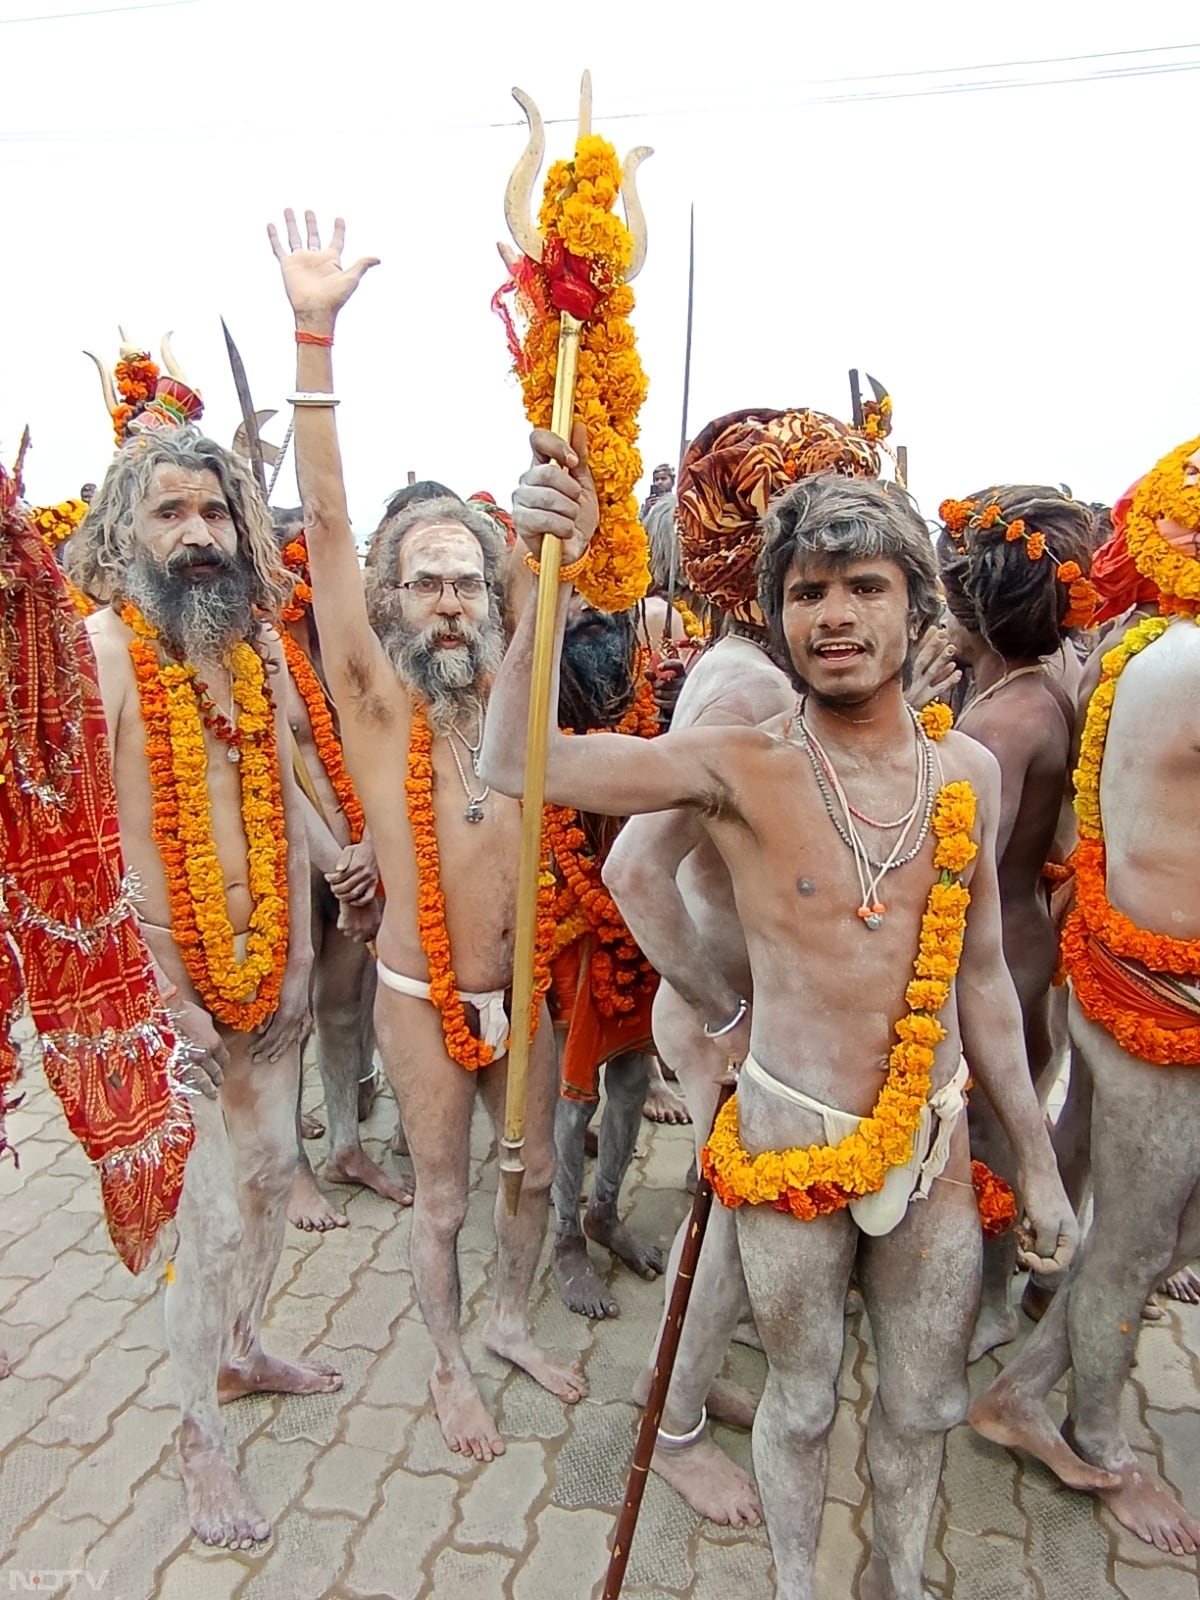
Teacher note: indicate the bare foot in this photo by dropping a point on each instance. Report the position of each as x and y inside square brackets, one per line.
[310, 1127]
[994, 1326]
[582, 1288]
[1006, 1417]
[368, 1093]
[607, 1229]
[875, 1585]
[356, 1166]
[1182, 1286]
[466, 1424]
[264, 1374]
[558, 1373]
[1142, 1503]
[729, 1403]
[219, 1509]
[1152, 1311]
[308, 1208]
[664, 1105]
[714, 1486]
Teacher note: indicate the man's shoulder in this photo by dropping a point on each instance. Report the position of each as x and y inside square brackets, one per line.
[109, 635]
[965, 758]
[734, 687]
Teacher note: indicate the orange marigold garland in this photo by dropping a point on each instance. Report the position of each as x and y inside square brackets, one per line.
[57, 523]
[329, 746]
[812, 1182]
[1094, 914]
[619, 972]
[587, 251]
[242, 994]
[996, 1201]
[1164, 495]
[461, 1044]
[960, 517]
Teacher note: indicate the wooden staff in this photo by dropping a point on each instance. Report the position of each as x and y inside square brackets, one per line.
[664, 1365]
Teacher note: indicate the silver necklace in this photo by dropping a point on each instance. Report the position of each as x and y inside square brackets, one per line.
[472, 749]
[474, 811]
[871, 872]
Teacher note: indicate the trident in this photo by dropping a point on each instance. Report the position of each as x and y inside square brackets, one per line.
[519, 214]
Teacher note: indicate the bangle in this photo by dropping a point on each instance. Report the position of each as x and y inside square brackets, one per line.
[566, 574]
[304, 337]
[727, 1027]
[680, 1441]
[306, 398]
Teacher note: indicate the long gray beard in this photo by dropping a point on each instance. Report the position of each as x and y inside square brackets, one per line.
[453, 684]
[197, 621]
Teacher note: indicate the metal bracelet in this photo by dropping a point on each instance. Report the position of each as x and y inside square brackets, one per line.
[728, 1027]
[306, 397]
[681, 1441]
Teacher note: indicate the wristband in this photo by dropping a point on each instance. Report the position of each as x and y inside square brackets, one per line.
[727, 1027]
[306, 398]
[566, 574]
[304, 337]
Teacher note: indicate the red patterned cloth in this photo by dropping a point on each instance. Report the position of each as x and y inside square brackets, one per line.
[1114, 572]
[70, 948]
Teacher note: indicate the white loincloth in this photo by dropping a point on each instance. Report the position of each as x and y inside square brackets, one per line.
[879, 1213]
[493, 1016]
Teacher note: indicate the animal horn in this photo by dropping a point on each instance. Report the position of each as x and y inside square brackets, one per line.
[877, 389]
[585, 104]
[518, 197]
[106, 383]
[128, 351]
[634, 215]
[169, 361]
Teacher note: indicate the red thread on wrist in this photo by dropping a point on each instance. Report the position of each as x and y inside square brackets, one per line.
[304, 337]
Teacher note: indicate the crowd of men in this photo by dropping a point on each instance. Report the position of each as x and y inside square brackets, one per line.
[768, 853]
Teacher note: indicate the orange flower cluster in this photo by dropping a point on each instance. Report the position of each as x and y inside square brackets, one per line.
[57, 523]
[461, 1044]
[996, 1201]
[937, 719]
[329, 746]
[295, 559]
[1093, 913]
[242, 994]
[959, 517]
[1164, 495]
[812, 1182]
[620, 973]
[577, 217]
[137, 382]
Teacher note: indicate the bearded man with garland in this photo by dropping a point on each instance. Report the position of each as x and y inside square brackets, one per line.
[346, 911]
[855, 933]
[178, 549]
[410, 664]
[602, 987]
[1135, 1019]
[673, 887]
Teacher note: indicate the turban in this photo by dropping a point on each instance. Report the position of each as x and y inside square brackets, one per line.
[1114, 573]
[731, 473]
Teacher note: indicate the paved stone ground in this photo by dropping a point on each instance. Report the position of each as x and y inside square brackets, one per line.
[367, 1503]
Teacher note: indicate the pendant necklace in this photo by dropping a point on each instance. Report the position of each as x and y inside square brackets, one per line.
[870, 873]
[474, 811]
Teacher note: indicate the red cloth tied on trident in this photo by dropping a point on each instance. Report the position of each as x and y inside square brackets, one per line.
[70, 947]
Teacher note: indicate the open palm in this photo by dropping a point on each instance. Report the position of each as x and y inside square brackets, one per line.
[317, 284]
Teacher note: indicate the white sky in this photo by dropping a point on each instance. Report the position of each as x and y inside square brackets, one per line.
[1019, 266]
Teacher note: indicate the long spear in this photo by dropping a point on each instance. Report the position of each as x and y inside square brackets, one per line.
[517, 213]
[673, 570]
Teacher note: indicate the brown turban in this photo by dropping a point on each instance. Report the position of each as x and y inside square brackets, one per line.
[732, 472]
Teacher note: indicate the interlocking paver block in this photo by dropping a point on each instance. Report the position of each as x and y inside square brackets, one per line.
[573, 1543]
[142, 1542]
[30, 1475]
[275, 1474]
[81, 1412]
[102, 1483]
[495, 1509]
[346, 1478]
[469, 1577]
[390, 1551]
[305, 1558]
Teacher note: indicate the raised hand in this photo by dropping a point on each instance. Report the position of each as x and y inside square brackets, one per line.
[317, 284]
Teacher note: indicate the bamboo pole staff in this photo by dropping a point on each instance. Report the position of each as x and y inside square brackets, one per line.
[664, 1365]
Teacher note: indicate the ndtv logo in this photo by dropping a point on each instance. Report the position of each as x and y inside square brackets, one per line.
[53, 1580]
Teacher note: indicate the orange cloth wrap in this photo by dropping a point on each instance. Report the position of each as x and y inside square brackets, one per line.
[592, 1038]
[1135, 1005]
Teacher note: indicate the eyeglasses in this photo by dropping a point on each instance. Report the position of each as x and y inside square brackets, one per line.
[470, 587]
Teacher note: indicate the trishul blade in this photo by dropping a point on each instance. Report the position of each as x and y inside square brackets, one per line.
[249, 416]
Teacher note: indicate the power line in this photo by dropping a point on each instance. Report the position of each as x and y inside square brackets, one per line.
[103, 11]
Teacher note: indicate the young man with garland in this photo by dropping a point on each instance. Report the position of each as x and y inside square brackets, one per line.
[1013, 563]
[178, 548]
[410, 663]
[1135, 1019]
[346, 911]
[602, 987]
[856, 932]
[671, 883]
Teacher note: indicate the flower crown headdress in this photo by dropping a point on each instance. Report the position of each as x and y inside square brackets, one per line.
[142, 399]
[961, 518]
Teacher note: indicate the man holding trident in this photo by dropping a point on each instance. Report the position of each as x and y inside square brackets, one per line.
[409, 663]
[856, 931]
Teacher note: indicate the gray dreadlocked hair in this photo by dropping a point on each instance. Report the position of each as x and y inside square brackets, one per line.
[104, 543]
[663, 538]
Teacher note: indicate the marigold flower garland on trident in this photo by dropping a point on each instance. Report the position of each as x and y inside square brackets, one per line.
[243, 994]
[586, 252]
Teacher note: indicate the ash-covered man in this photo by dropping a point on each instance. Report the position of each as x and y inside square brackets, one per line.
[177, 539]
[856, 927]
[410, 663]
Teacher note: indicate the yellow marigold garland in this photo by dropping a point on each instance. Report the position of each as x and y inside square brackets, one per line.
[577, 217]
[1094, 914]
[461, 1044]
[328, 745]
[823, 1178]
[241, 994]
[57, 523]
[1164, 495]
